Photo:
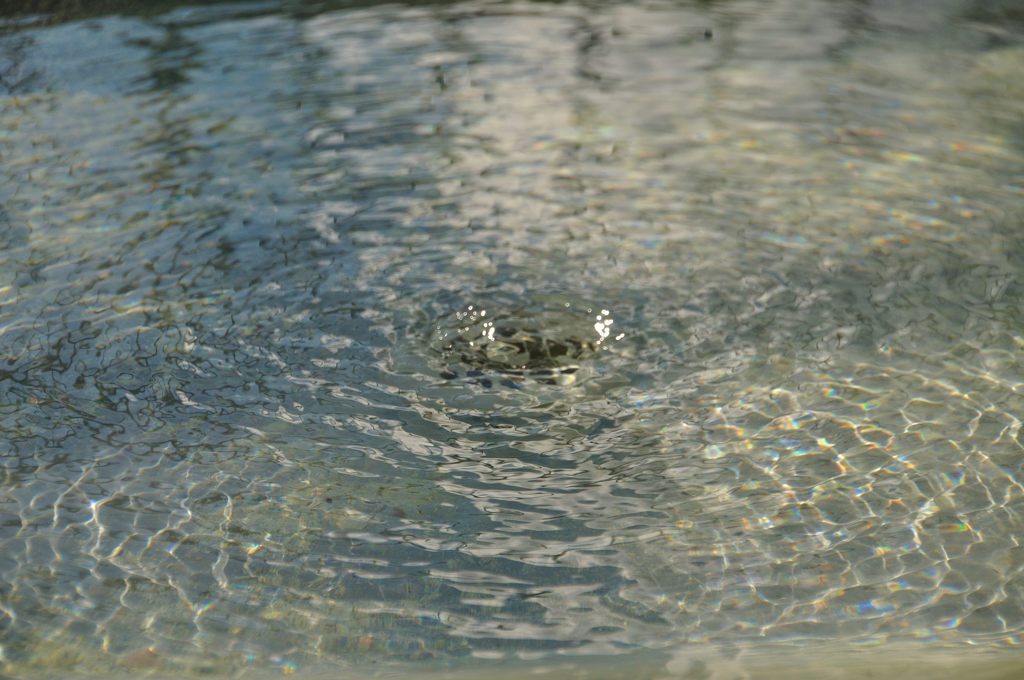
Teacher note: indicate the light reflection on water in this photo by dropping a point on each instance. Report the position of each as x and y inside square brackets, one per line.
[232, 237]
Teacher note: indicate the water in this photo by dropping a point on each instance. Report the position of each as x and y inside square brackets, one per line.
[251, 422]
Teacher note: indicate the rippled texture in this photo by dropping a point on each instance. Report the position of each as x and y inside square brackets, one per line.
[232, 239]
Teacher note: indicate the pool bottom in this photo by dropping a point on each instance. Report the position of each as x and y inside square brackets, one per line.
[803, 661]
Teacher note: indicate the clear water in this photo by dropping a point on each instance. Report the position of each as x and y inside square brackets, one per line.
[237, 239]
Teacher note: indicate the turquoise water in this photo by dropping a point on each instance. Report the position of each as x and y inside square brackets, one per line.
[254, 420]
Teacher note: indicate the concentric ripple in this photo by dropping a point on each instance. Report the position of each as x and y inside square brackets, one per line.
[547, 342]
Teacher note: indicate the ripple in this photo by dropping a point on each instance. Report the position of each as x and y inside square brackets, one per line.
[546, 341]
[437, 335]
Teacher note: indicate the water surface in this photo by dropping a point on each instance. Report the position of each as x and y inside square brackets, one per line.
[236, 241]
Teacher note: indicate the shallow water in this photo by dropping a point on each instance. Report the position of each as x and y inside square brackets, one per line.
[237, 240]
